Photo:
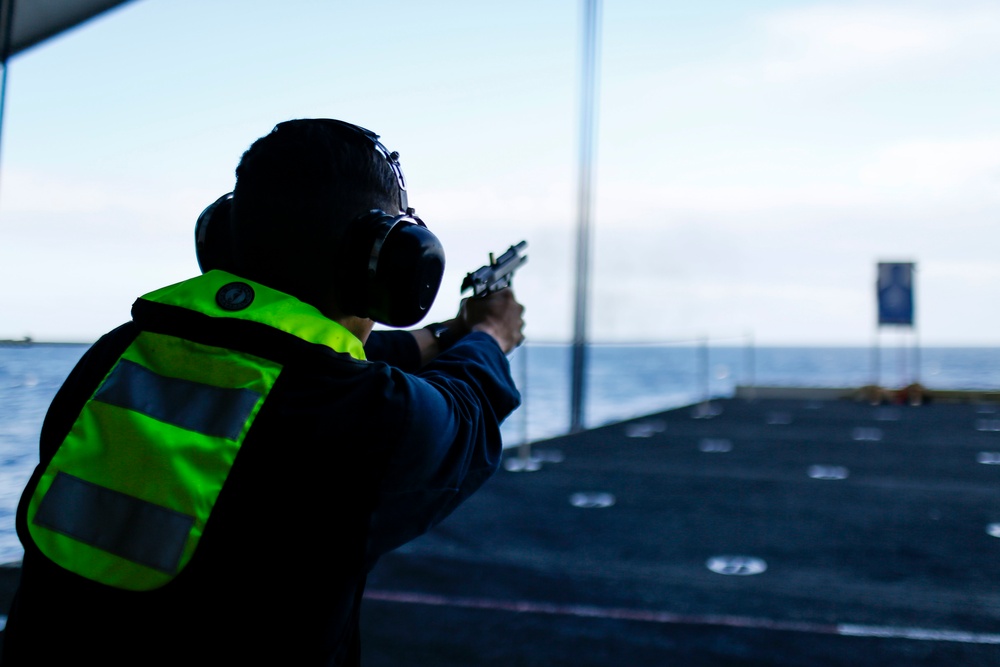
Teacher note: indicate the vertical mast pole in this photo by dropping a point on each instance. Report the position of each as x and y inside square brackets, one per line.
[591, 24]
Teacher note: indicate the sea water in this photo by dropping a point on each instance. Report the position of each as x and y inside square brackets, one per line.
[625, 381]
[622, 381]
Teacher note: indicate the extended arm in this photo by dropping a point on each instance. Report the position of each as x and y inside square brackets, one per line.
[456, 404]
[499, 315]
[454, 409]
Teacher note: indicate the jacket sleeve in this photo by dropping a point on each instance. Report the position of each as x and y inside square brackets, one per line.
[454, 408]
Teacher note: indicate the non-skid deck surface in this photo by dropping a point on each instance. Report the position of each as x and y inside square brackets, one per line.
[838, 533]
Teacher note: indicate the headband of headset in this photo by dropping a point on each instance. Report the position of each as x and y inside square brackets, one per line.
[389, 266]
[391, 157]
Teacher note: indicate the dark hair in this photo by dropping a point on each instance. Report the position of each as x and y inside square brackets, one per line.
[298, 188]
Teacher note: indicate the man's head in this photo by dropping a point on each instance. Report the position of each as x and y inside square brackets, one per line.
[298, 188]
[301, 223]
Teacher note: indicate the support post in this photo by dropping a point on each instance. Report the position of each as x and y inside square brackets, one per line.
[6, 33]
[750, 363]
[704, 371]
[591, 23]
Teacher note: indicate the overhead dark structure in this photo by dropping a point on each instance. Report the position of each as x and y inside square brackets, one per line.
[25, 23]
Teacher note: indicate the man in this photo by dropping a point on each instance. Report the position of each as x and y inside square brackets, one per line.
[218, 475]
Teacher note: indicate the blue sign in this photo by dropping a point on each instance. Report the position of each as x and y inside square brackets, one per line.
[895, 293]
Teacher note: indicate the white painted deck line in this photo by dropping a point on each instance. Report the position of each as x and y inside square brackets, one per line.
[670, 618]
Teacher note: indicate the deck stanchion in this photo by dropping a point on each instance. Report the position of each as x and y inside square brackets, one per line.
[876, 370]
[524, 449]
[703, 370]
[524, 461]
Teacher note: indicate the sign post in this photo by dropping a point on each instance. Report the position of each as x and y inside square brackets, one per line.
[895, 292]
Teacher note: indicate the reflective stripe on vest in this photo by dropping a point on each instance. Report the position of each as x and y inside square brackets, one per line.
[125, 499]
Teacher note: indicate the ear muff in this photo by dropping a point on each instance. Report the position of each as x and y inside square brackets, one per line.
[390, 268]
[213, 236]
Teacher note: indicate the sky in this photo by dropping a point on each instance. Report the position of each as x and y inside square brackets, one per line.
[754, 160]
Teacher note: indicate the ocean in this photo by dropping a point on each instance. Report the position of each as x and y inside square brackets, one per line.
[623, 381]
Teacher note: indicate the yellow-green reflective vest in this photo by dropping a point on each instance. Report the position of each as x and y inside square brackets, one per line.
[125, 499]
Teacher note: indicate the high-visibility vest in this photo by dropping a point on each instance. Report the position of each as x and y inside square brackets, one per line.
[126, 497]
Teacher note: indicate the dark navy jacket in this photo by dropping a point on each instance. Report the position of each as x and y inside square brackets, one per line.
[346, 461]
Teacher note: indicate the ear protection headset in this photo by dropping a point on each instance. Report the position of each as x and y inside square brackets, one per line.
[212, 234]
[389, 267]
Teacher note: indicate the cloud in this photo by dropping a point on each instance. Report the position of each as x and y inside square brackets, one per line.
[937, 165]
[914, 178]
[527, 197]
[838, 39]
[40, 203]
[965, 271]
[32, 192]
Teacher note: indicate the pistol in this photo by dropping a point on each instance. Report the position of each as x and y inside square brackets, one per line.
[497, 274]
